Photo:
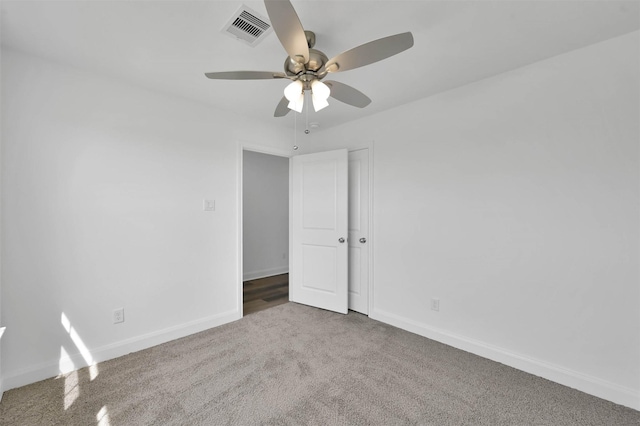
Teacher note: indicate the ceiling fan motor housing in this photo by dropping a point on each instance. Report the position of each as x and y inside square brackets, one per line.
[317, 59]
[293, 67]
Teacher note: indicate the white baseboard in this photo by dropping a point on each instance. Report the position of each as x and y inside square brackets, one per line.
[76, 361]
[573, 379]
[265, 273]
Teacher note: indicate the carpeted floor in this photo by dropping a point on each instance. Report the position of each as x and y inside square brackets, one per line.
[296, 365]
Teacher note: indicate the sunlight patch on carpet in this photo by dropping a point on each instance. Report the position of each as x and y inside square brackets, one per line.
[103, 416]
[82, 348]
[71, 389]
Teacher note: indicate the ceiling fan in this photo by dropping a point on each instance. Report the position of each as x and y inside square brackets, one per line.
[306, 66]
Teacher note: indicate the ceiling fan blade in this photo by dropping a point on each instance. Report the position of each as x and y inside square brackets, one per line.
[347, 94]
[283, 108]
[369, 53]
[288, 28]
[245, 75]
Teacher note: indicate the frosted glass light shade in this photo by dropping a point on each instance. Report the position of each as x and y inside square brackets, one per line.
[319, 103]
[319, 94]
[320, 90]
[293, 91]
[297, 104]
[295, 95]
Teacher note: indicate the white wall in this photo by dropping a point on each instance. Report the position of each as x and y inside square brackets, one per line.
[265, 209]
[515, 201]
[1, 244]
[102, 192]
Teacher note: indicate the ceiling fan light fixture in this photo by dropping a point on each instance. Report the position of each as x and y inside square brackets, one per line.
[319, 94]
[320, 90]
[319, 103]
[293, 91]
[295, 95]
[297, 104]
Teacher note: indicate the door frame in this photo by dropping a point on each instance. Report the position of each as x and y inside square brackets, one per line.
[371, 237]
[244, 146]
[279, 152]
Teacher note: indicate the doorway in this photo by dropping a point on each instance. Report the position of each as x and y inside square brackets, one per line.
[265, 235]
[360, 298]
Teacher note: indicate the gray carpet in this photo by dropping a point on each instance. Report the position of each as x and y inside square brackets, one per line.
[296, 365]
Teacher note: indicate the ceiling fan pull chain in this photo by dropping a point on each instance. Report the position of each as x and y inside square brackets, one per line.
[295, 133]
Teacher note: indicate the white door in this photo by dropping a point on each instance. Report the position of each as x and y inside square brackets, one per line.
[319, 249]
[358, 231]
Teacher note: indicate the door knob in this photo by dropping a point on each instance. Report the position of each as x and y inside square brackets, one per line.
[341, 240]
[363, 240]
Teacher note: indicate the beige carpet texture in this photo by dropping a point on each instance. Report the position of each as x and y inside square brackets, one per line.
[297, 365]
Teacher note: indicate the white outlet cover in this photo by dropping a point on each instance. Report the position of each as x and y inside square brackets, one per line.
[118, 316]
[435, 304]
[209, 205]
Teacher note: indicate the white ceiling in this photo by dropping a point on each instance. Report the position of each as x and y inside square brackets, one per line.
[168, 45]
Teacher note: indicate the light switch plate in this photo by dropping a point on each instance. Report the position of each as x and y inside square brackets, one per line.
[209, 205]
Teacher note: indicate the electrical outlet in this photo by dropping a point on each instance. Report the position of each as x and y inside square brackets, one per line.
[435, 304]
[118, 316]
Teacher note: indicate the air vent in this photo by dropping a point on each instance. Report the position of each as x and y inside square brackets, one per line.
[247, 26]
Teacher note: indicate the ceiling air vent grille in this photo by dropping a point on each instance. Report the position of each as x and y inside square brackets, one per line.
[247, 26]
